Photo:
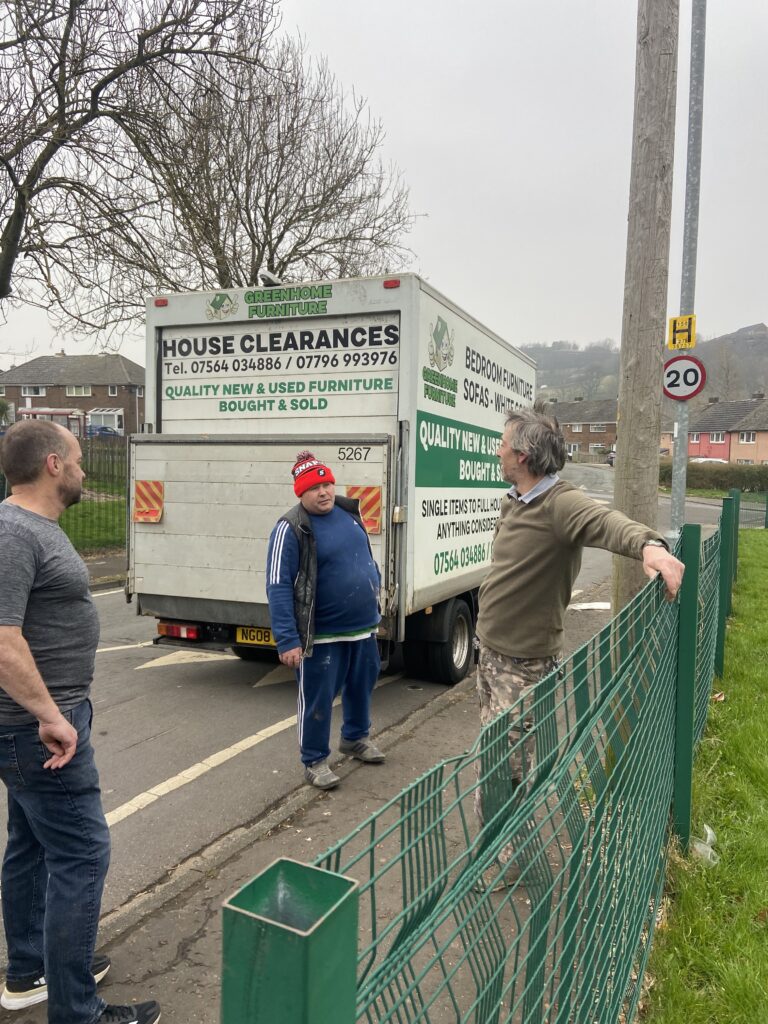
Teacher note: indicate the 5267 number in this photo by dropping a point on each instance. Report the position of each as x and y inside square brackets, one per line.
[352, 453]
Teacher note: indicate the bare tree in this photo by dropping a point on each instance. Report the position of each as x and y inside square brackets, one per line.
[273, 169]
[71, 75]
[728, 384]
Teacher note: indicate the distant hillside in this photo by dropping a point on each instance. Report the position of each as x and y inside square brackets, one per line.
[737, 367]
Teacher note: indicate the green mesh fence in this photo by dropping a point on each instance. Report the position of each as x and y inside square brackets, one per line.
[545, 911]
[753, 512]
[98, 521]
[709, 609]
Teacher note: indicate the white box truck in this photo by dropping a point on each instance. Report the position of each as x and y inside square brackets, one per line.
[401, 392]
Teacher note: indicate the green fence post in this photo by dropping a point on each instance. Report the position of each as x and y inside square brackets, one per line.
[290, 948]
[735, 493]
[687, 633]
[766, 512]
[723, 608]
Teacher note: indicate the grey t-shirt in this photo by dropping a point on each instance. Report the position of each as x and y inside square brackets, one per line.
[44, 590]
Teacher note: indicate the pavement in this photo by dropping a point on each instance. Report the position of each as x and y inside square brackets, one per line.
[107, 568]
[165, 942]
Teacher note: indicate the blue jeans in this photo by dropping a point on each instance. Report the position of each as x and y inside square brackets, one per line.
[349, 667]
[55, 863]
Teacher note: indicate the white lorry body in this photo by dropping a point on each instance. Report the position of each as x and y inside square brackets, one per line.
[401, 392]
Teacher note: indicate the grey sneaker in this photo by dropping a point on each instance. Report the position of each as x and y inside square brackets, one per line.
[363, 750]
[319, 774]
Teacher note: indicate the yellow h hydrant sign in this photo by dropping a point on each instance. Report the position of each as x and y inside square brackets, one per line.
[682, 332]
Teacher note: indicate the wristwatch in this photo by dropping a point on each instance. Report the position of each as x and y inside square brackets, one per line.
[655, 544]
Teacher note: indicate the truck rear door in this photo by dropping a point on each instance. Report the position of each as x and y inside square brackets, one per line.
[202, 509]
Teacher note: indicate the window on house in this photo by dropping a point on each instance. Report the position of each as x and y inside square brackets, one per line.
[576, 428]
[694, 438]
[718, 437]
[596, 447]
[2, 391]
[78, 390]
[32, 391]
[745, 462]
[140, 391]
[113, 390]
[597, 428]
[573, 448]
[747, 437]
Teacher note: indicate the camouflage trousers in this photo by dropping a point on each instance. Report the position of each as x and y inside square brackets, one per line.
[503, 682]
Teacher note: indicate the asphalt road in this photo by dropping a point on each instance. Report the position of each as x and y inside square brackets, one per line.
[192, 746]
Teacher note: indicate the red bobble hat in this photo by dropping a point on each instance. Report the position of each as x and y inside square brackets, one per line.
[308, 472]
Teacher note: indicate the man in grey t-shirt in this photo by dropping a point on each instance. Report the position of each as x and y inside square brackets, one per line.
[57, 853]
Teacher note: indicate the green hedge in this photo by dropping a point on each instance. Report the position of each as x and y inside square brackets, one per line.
[718, 476]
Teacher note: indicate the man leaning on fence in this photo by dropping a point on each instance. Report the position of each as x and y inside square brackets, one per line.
[57, 852]
[544, 525]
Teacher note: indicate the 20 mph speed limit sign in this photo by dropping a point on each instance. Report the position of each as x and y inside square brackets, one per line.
[684, 377]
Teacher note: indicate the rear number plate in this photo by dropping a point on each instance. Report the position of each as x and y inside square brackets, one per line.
[257, 635]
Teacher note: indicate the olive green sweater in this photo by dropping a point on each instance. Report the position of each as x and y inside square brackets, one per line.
[536, 559]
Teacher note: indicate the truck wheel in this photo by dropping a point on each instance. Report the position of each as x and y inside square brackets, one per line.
[449, 661]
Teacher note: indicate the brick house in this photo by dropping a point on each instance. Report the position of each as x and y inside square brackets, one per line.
[734, 431]
[105, 390]
[588, 426]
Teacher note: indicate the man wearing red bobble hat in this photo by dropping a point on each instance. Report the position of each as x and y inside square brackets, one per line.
[323, 592]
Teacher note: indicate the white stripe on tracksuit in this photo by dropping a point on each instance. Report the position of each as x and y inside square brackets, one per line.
[300, 703]
[277, 552]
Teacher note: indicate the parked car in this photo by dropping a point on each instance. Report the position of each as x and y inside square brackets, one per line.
[97, 430]
[610, 458]
[702, 459]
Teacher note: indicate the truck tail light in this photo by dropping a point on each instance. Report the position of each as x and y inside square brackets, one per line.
[392, 282]
[161, 302]
[178, 630]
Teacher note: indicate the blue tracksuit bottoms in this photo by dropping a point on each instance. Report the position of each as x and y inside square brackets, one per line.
[347, 667]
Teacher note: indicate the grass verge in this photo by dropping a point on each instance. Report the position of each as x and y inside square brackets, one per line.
[94, 525]
[709, 964]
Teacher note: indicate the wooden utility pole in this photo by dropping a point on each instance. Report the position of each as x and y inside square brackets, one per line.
[636, 479]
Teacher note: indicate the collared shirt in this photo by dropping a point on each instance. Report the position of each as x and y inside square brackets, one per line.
[538, 489]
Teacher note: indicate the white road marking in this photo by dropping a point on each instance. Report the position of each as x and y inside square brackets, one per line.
[123, 647]
[154, 793]
[196, 770]
[281, 674]
[186, 658]
[590, 606]
[106, 593]
[575, 593]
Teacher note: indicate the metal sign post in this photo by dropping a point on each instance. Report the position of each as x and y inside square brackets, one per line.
[690, 241]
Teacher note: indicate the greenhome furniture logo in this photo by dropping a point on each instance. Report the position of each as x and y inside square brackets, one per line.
[221, 306]
[441, 345]
[438, 386]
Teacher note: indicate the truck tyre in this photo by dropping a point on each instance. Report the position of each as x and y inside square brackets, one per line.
[449, 661]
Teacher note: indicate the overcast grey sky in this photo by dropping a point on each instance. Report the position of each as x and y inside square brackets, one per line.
[511, 122]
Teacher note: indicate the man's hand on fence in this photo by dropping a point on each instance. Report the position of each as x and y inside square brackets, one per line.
[659, 560]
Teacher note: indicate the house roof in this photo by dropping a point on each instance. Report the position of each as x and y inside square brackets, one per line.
[602, 410]
[756, 418]
[108, 368]
[725, 415]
